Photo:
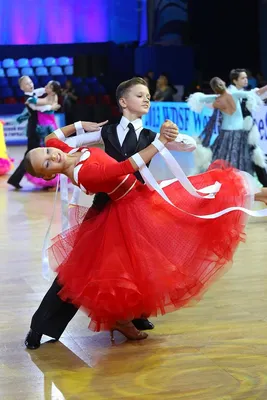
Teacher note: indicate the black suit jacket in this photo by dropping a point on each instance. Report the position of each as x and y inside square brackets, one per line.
[114, 150]
[33, 137]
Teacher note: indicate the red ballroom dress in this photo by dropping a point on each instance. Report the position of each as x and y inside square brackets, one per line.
[140, 255]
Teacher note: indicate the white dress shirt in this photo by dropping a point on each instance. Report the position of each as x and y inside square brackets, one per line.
[38, 93]
[182, 142]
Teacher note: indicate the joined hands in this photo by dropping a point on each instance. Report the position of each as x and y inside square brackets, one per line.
[168, 132]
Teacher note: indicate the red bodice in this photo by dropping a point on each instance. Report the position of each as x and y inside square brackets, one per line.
[98, 172]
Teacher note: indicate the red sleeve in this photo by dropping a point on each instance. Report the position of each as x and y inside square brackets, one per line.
[94, 174]
[119, 169]
[58, 144]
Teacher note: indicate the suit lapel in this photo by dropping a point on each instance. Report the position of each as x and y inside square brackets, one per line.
[142, 141]
[113, 139]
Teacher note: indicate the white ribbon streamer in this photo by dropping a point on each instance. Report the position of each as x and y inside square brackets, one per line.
[64, 202]
[181, 177]
[75, 195]
[45, 262]
[209, 191]
[185, 182]
[64, 197]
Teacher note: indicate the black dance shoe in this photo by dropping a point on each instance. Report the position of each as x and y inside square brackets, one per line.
[33, 340]
[14, 184]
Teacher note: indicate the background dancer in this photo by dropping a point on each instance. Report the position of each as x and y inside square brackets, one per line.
[33, 138]
[231, 143]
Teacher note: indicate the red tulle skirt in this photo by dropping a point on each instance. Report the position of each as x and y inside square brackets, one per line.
[141, 256]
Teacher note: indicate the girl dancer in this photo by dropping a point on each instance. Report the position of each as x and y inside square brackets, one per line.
[143, 238]
[46, 123]
[46, 119]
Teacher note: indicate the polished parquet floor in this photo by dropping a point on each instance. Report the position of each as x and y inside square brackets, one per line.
[216, 350]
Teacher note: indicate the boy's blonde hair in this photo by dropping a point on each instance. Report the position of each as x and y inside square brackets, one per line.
[21, 79]
[125, 86]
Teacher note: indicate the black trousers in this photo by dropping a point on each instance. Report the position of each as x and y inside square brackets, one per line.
[53, 314]
[33, 142]
[261, 174]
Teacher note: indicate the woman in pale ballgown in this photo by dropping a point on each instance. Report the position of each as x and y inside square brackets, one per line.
[232, 142]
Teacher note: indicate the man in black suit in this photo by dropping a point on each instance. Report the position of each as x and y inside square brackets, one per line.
[121, 141]
[239, 81]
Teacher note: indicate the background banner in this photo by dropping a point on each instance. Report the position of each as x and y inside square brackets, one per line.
[15, 134]
[191, 123]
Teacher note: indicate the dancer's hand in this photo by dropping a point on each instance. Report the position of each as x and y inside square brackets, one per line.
[169, 130]
[92, 126]
[55, 106]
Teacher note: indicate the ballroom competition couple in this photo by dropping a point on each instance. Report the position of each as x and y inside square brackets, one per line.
[142, 249]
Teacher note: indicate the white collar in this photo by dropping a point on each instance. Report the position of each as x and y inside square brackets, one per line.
[29, 93]
[137, 123]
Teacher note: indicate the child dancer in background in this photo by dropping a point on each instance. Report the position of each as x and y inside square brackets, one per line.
[33, 139]
[46, 123]
[46, 119]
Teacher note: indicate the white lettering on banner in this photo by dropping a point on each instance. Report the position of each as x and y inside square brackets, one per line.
[188, 121]
[17, 133]
[192, 123]
[260, 117]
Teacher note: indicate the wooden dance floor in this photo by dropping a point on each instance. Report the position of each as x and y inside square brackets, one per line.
[216, 350]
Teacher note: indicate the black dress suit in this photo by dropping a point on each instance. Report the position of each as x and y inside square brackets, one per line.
[32, 142]
[53, 314]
